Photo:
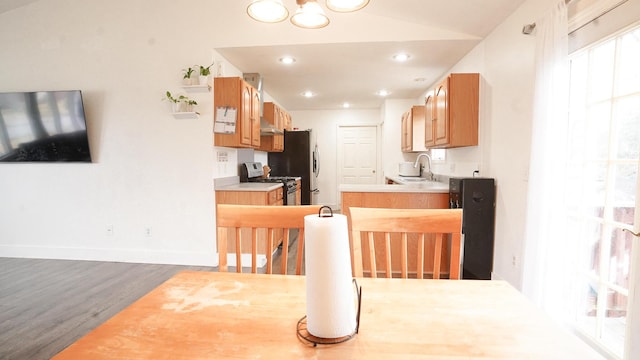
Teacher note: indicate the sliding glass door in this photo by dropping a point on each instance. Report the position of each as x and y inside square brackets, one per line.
[604, 187]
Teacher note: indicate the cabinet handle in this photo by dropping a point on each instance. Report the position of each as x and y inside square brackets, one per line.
[632, 233]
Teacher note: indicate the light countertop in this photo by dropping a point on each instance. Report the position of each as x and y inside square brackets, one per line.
[249, 186]
[418, 187]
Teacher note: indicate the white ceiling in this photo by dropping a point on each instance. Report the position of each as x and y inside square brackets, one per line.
[350, 59]
[354, 61]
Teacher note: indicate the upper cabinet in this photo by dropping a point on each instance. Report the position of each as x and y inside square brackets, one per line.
[429, 115]
[234, 92]
[276, 116]
[453, 105]
[406, 132]
[413, 124]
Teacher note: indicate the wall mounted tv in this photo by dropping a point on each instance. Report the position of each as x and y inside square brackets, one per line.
[43, 126]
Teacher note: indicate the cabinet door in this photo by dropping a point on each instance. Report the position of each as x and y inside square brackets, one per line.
[406, 136]
[255, 118]
[429, 117]
[287, 121]
[245, 125]
[417, 125]
[441, 121]
[278, 140]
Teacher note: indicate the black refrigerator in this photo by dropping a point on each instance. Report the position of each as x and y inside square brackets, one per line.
[477, 198]
[299, 158]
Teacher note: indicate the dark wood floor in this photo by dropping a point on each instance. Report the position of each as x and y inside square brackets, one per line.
[46, 305]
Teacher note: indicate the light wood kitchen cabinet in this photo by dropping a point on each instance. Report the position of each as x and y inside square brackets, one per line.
[276, 116]
[298, 192]
[454, 111]
[272, 197]
[398, 200]
[405, 141]
[234, 92]
[287, 122]
[429, 115]
[413, 129]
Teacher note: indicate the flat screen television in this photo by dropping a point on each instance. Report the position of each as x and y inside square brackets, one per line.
[43, 126]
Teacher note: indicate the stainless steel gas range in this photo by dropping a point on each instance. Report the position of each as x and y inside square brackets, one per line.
[253, 172]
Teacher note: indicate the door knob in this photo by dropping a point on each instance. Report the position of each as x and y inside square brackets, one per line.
[632, 233]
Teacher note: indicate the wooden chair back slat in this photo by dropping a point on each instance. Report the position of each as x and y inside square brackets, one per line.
[439, 224]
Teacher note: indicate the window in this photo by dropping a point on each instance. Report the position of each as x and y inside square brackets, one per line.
[604, 140]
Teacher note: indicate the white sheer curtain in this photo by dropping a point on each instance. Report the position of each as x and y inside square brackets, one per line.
[545, 273]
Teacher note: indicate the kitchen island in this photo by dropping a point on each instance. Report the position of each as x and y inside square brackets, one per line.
[422, 195]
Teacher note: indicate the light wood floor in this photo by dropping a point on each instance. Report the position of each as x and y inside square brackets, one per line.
[46, 305]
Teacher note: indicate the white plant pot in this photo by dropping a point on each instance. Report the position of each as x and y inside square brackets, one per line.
[180, 107]
[203, 79]
[189, 81]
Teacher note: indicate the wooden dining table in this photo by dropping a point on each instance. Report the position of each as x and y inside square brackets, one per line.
[211, 315]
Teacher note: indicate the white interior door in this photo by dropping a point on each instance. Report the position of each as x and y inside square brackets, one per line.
[357, 154]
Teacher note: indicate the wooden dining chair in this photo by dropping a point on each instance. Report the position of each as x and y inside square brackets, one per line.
[253, 224]
[426, 226]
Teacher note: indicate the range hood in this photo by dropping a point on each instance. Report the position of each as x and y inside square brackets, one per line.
[266, 129]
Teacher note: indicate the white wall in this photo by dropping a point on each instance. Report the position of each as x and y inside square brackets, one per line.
[148, 170]
[505, 61]
[324, 125]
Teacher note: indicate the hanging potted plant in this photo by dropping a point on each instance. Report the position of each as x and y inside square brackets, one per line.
[181, 103]
[172, 100]
[188, 104]
[205, 73]
[189, 77]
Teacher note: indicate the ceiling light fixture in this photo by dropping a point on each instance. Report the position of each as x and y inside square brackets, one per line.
[346, 5]
[269, 11]
[287, 60]
[309, 15]
[308, 94]
[383, 93]
[402, 57]
[346, 105]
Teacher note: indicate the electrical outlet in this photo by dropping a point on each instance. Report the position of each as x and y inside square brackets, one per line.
[147, 231]
[109, 230]
[223, 156]
[514, 261]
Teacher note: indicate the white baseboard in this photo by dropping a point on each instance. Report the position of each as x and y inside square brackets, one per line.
[143, 256]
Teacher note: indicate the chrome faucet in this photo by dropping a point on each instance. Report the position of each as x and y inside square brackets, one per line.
[430, 175]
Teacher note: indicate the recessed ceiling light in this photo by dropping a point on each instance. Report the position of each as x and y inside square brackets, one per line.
[402, 57]
[420, 79]
[383, 93]
[346, 105]
[308, 94]
[287, 60]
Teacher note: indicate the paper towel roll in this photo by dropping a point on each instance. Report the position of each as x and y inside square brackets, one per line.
[330, 294]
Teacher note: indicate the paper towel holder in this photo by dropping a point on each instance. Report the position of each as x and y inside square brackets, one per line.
[304, 335]
[321, 214]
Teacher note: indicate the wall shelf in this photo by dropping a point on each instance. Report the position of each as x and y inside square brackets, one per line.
[196, 88]
[185, 115]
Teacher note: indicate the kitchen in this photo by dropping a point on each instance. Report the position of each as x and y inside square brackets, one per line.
[154, 171]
